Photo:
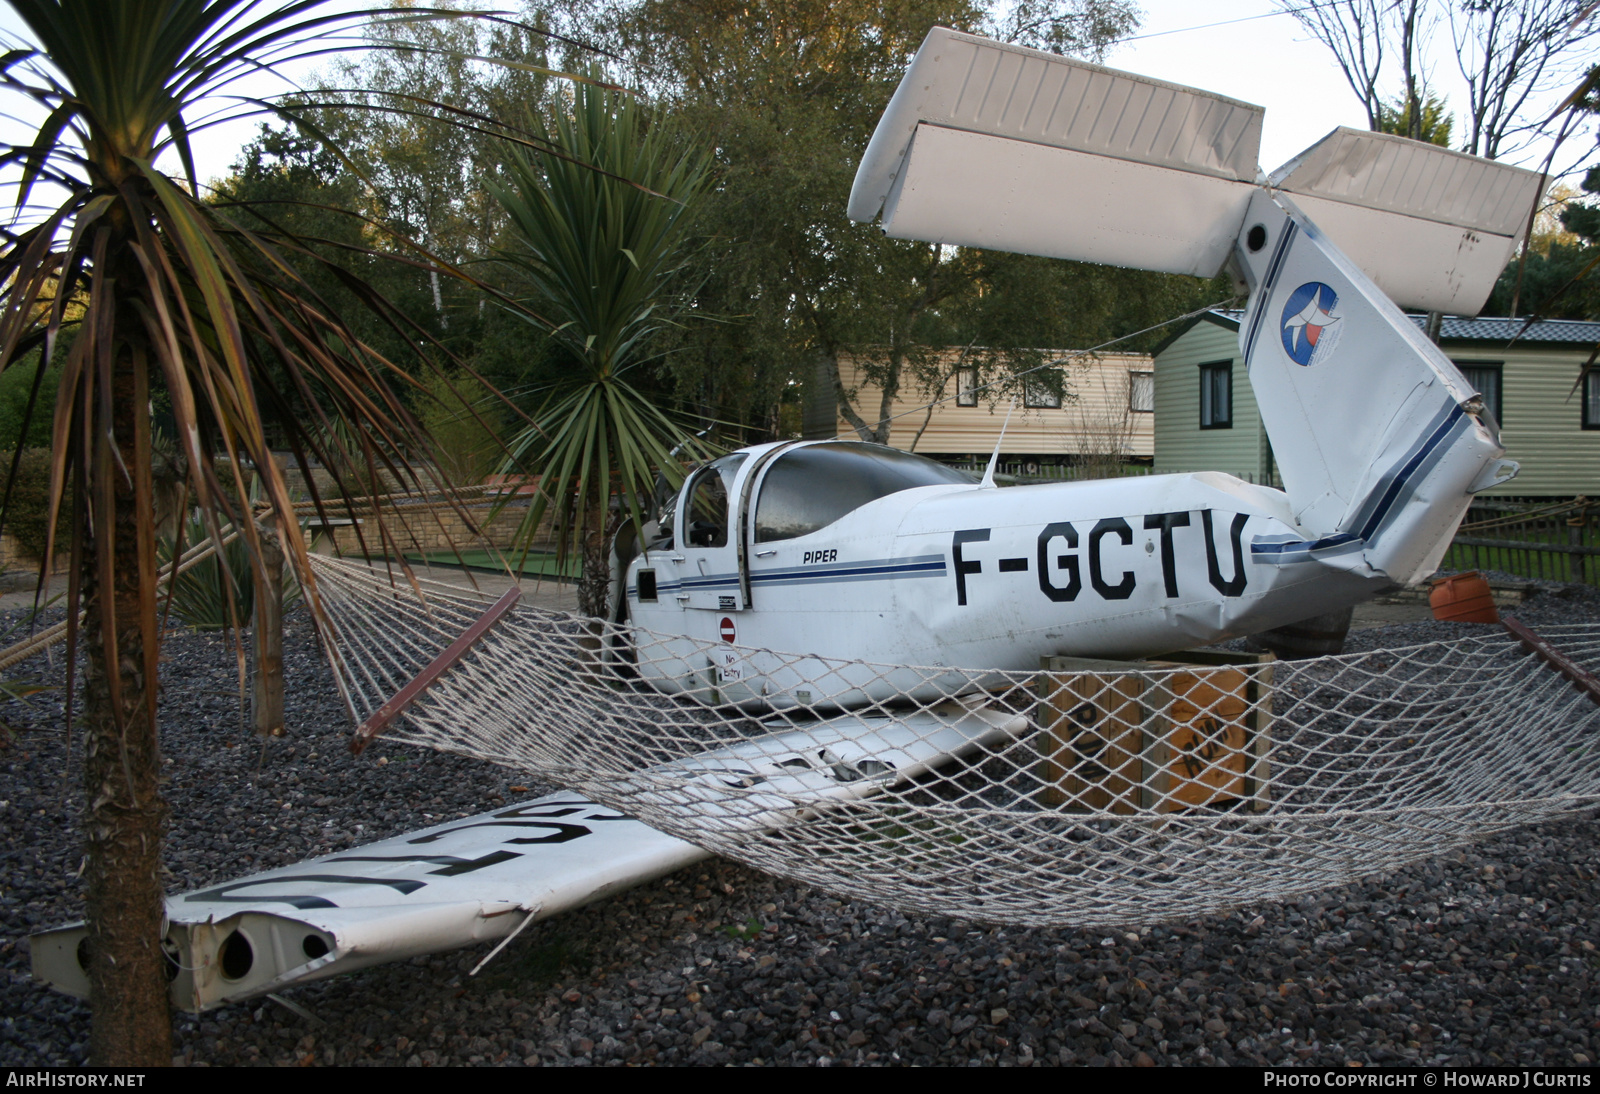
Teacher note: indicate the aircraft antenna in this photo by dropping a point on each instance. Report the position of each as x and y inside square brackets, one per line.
[988, 472]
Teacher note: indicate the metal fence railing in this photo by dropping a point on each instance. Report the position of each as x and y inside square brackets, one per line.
[1027, 471]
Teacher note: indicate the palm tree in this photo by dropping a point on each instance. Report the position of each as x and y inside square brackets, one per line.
[178, 299]
[598, 224]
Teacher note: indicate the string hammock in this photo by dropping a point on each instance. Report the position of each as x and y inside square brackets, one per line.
[1083, 794]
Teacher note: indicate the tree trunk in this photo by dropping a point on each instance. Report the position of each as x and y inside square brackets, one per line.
[594, 576]
[266, 705]
[842, 398]
[124, 815]
[891, 388]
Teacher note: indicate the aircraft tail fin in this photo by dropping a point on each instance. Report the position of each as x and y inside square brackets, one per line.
[1379, 439]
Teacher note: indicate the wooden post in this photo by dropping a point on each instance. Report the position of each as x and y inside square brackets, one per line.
[266, 706]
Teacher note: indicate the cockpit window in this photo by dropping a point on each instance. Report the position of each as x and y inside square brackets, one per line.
[707, 524]
[810, 488]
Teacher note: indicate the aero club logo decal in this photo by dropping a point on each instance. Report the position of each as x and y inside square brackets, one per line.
[1309, 327]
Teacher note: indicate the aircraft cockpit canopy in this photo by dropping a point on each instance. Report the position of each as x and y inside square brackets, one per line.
[708, 501]
[811, 486]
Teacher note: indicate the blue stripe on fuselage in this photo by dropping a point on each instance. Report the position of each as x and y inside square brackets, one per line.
[880, 569]
[1398, 484]
[1383, 502]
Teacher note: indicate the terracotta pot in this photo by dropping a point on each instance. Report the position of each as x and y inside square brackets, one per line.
[1464, 598]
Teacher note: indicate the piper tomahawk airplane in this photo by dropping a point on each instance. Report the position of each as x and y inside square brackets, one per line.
[850, 552]
[853, 552]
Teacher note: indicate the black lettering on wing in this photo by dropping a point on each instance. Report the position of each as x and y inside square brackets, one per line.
[531, 815]
[451, 866]
[560, 832]
[222, 894]
[566, 809]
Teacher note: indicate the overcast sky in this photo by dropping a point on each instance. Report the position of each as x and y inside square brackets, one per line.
[1244, 49]
[1266, 59]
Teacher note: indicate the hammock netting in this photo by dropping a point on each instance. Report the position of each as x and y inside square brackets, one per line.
[1082, 794]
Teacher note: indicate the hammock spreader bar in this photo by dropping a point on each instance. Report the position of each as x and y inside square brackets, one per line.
[1554, 658]
[425, 679]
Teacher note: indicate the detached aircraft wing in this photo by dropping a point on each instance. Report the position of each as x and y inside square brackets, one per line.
[482, 878]
[992, 145]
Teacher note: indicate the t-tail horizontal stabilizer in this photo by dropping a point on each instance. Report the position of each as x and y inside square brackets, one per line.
[1378, 437]
[1433, 228]
[992, 145]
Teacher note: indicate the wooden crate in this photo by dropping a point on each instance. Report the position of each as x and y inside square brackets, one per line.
[1118, 741]
[1218, 713]
[1090, 749]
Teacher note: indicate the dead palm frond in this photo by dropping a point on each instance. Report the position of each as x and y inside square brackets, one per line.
[169, 296]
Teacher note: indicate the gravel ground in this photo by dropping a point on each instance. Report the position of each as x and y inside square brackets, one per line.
[1482, 957]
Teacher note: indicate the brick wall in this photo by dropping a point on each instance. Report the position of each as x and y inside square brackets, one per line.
[13, 558]
[433, 530]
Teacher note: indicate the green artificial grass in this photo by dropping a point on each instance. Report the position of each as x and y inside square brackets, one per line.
[539, 563]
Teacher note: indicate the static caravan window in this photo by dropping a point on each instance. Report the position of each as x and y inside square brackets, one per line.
[1591, 400]
[1216, 395]
[1042, 389]
[1142, 392]
[966, 387]
[1484, 376]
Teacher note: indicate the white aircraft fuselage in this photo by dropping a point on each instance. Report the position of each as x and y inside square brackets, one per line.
[970, 577]
[848, 553]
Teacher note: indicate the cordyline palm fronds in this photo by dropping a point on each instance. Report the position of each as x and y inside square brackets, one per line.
[598, 228]
[177, 299]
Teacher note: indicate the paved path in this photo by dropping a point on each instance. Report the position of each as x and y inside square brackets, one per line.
[536, 592]
[22, 596]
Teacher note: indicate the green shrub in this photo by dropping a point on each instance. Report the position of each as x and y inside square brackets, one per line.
[202, 595]
[16, 384]
[461, 416]
[27, 515]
